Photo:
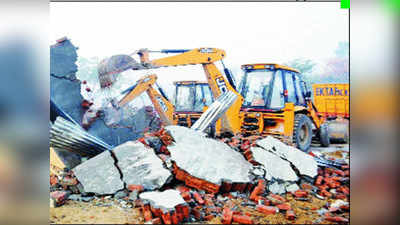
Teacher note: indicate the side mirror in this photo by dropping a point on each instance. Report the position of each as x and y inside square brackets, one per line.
[308, 94]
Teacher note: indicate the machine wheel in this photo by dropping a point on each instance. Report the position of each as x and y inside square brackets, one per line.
[302, 132]
[323, 134]
[211, 131]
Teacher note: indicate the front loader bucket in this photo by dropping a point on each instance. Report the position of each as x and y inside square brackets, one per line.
[110, 67]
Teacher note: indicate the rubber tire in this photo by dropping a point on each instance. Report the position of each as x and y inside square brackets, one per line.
[301, 120]
[323, 134]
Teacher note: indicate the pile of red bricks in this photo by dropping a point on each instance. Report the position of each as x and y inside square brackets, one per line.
[58, 198]
[333, 183]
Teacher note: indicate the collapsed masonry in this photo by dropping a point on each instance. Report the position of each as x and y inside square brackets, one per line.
[178, 174]
[203, 163]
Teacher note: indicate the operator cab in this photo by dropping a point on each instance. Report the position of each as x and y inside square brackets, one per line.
[267, 87]
[192, 96]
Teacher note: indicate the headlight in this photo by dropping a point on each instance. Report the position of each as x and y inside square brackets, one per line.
[258, 114]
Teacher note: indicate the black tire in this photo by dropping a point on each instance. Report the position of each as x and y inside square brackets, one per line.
[323, 134]
[211, 131]
[302, 132]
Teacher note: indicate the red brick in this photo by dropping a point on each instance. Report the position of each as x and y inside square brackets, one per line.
[300, 194]
[53, 180]
[290, 215]
[318, 181]
[186, 196]
[326, 193]
[278, 197]
[268, 210]
[134, 187]
[242, 219]
[198, 198]
[344, 167]
[197, 213]
[194, 182]
[58, 195]
[333, 209]
[247, 153]
[340, 196]
[209, 217]
[147, 212]
[210, 187]
[258, 190]
[208, 201]
[227, 216]
[184, 210]
[306, 186]
[323, 187]
[345, 207]
[240, 187]
[157, 212]
[226, 186]
[180, 174]
[182, 188]
[250, 187]
[156, 221]
[337, 219]
[339, 172]
[174, 217]
[166, 217]
[285, 206]
[345, 190]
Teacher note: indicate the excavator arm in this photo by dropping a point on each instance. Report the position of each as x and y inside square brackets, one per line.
[216, 80]
[162, 106]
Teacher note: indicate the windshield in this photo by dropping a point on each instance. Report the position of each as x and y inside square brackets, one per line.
[184, 98]
[256, 87]
[203, 97]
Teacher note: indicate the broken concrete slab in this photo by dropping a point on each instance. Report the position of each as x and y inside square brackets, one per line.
[140, 165]
[275, 167]
[99, 175]
[305, 163]
[166, 200]
[206, 158]
[276, 187]
[291, 187]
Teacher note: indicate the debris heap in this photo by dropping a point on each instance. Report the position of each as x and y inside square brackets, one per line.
[179, 175]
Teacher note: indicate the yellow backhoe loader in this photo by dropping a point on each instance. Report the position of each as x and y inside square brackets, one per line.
[191, 98]
[273, 100]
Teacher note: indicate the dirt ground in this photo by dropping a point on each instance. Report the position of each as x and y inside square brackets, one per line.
[75, 212]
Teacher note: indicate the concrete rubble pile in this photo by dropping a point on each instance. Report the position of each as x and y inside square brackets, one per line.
[179, 175]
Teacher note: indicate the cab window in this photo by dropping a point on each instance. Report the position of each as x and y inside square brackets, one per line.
[184, 98]
[256, 87]
[207, 94]
[277, 100]
[300, 93]
[290, 87]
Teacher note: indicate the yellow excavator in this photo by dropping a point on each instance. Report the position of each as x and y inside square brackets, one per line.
[191, 98]
[273, 100]
[160, 101]
[206, 57]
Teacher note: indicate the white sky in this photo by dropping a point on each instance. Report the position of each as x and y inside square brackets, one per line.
[248, 32]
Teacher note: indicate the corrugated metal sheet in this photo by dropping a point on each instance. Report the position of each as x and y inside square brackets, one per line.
[68, 136]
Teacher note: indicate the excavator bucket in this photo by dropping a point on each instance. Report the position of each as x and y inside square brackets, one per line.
[109, 68]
